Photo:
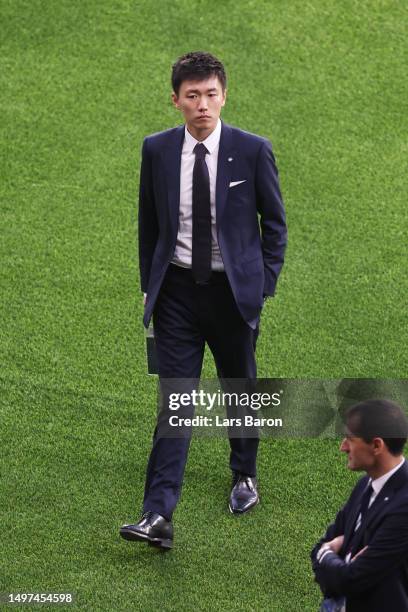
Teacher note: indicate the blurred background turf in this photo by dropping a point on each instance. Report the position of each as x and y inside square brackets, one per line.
[82, 82]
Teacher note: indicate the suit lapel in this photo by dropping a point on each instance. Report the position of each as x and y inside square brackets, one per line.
[379, 505]
[226, 154]
[386, 494]
[172, 162]
[351, 523]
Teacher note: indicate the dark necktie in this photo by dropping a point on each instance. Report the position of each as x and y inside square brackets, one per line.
[201, 248]
[365, 500]
[356, 542]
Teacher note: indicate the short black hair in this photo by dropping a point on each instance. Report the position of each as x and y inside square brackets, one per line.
[379, 418]
[197, 66]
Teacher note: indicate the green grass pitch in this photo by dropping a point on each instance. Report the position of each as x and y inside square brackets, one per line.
[82, 82]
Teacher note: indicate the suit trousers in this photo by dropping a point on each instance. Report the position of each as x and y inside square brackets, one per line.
[186, 316]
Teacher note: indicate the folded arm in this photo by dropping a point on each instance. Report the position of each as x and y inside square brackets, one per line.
[387, 550]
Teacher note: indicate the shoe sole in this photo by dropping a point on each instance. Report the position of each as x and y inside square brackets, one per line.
[134, 536]
[163, 544]
[246, 509]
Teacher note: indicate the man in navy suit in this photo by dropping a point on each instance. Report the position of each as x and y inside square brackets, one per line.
[361, 564]
[212, 236]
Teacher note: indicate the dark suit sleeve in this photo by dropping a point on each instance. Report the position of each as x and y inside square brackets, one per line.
[335, 529]
[272, 216]
[148, 224]
[387, 550]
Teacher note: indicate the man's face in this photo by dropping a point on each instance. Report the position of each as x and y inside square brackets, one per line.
[201, 103]
[360, 454]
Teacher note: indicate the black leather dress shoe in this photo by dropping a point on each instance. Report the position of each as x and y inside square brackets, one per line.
[152, 528]
[244, 494]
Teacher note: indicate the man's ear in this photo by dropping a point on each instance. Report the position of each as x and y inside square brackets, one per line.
[175, 100]
[225, 97]
[378, 445]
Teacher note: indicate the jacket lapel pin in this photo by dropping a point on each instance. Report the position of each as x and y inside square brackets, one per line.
[230, 159]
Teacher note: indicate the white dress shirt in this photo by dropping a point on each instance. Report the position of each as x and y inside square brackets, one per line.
[183, 251]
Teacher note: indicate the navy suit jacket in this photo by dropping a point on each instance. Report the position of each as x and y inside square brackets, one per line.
[252, 250]
[378, 579]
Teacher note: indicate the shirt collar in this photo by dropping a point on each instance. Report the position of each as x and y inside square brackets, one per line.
[211, 142]
[378, 483]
